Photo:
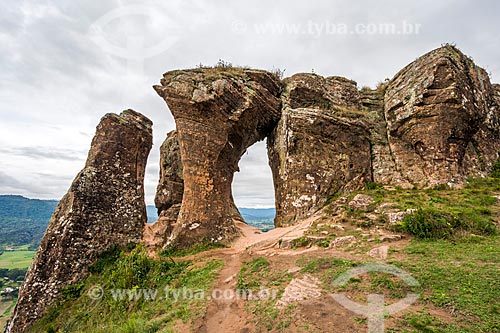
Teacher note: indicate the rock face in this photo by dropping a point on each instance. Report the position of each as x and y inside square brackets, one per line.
[169, 193]
[320, 147]
[219, 113]
[171, 185]
[384, 169]
[104, 207]
[436, 122]
[442, 119]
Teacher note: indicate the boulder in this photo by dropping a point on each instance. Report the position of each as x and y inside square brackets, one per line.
[442, 119]
[361, 202]
[103, 208]
[320, 146]
[341, 241]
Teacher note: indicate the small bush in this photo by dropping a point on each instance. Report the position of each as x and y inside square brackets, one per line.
[373, 186]
[301, 242]
[495, 170]
[106, 258]
[197, 248]
[429, 224]
[323, 243]
[72, 291]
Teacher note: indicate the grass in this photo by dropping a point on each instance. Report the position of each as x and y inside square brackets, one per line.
[461, 278]
[259, 273]
[441, 212]
[19, 258]
[197, 248]
[134, 297]
[457, 278]
[6, 307]
[252, 273]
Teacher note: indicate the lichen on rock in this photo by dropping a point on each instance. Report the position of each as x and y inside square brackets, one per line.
[103, 208]
[320, 147]
[218, 115]
[442, 119]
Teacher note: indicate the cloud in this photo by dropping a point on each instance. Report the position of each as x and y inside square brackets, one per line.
[9, 184]
[45, 152]
[56, 82]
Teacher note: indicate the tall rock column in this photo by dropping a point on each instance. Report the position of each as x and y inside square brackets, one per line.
[442, 119]
[104, 207]
[169, 193]
[219, 113]
[320, 147]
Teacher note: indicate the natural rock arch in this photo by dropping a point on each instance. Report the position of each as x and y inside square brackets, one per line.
[326, 137]
[219, 113]
[318, 146]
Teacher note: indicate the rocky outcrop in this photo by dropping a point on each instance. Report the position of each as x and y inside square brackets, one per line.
[171, 185]
[103, 208]
[435, 122]
[384, 169]
[442, 119]
[169, 193]
[320, 147]
[219, 113]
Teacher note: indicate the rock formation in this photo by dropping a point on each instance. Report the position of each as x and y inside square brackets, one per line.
[442, 119]
[103, 208]
[384, 169]
[171, 186]
[436, 122]
[168, 194]
[219, 113]
[320, 147]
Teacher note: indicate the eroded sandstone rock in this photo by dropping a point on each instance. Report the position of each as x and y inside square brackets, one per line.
[384, 168]
[169, 194]
[103, 208]
[361, 202]
[320, 147]
[442, 119]
[219, 113]
[171, 184]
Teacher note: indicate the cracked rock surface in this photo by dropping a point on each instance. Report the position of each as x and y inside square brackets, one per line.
[103, 208]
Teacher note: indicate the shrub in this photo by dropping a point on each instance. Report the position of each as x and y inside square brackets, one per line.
[429, 223]
[495, 170]
[373, 186]
[172, 251]
[72, 291]
[301, 242]
[106, 258]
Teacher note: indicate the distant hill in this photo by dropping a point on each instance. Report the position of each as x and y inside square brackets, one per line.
[262, 218]
[23, 220]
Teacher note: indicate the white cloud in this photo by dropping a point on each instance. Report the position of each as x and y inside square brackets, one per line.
[56, 83]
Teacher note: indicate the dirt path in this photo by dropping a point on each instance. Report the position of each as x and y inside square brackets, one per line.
[227, 314]
[256, 240]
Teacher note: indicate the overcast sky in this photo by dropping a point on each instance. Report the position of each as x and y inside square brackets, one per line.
[65, 63]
